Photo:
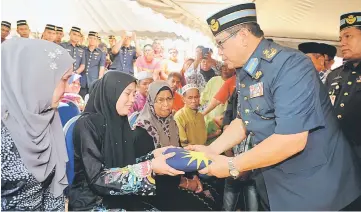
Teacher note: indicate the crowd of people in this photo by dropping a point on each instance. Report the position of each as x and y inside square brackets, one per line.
[281, 128]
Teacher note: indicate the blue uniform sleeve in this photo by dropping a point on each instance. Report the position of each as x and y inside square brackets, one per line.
[102, 59]
[296, 97]
[82, 60]
[134, 53]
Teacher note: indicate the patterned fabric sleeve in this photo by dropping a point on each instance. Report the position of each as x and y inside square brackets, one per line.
[146, 157]
[132, 179]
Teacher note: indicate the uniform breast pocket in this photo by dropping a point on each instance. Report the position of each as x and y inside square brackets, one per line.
[262, 108]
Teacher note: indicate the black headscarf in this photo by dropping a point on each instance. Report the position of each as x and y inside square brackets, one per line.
[117, 147]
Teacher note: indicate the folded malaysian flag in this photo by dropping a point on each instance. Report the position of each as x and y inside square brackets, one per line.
[187, 161]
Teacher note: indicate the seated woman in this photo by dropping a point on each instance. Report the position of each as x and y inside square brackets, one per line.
[71, 94]
[33, 154]
[156, 128]
[107, 173]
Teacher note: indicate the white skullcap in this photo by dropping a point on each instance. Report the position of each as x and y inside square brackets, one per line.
[188, 87]
[144, 75]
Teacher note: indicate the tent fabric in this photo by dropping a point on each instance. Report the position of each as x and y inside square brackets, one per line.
[103, 16]
[284, 20]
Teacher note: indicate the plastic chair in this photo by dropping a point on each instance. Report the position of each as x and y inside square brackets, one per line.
[68, 131]
[67, 111]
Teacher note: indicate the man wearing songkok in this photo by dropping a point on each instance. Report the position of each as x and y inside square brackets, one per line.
[49, 33]
[59, 34]
[344, 83]
[23, 28]
[5, 30]
[300, 157]
[94, 64]
[329, 53]
[75, 50]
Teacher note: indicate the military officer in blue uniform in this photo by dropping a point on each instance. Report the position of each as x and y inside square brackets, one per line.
[75, 50]
[125, 54]
[5, 30]
[49, 33]
[22, 28]
[299, 151]
[344, 83]
[94, 63]
[112, 42]
[59, 34]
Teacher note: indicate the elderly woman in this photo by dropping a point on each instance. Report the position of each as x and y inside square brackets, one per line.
[71, 94]
[155, 128]
[33, 153]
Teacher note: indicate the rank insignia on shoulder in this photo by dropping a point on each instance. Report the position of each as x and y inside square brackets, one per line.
[258, 75]
[269, 53]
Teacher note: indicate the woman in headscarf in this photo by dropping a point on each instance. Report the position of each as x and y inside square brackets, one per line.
[156, 128]
[33, 152]
[71, 94]
[107, 173]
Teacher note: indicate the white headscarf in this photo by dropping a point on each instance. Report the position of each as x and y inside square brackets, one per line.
[30, 71]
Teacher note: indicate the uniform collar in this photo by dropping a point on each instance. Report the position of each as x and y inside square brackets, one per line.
[95, 50]
[349, 65]
[266, 50]
[127, 48]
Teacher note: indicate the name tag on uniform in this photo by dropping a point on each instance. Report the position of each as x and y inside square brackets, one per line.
[96, 53]
[256, 90]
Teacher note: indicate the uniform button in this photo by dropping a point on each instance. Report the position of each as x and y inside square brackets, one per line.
[246, 122]
[346, 94]
[246, 111]
[349, 83]
[243, 85]
[337, 87]
[339, 116]
[86, 73]
[330, 92]
[342, 105]
[245, 98]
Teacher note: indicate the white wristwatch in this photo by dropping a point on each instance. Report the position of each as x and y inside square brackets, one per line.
[232, 169]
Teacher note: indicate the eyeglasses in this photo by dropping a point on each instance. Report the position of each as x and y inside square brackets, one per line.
[220, 43]
[163, 100]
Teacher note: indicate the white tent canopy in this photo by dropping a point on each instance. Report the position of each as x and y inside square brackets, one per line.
[283, 20]
[104, 16]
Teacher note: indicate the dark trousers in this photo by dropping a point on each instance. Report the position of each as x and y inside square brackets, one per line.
[242, 194]
[83, 92]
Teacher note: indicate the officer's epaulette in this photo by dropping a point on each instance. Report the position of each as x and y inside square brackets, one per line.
[271, 51]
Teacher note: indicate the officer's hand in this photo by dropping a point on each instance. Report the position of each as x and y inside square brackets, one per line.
[159, 151]
[218, 167]
[122, 34]
[201, 148]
